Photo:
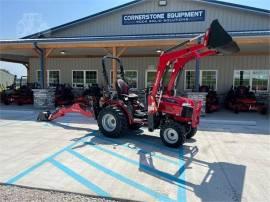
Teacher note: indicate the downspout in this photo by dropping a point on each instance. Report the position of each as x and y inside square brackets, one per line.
[42, 67]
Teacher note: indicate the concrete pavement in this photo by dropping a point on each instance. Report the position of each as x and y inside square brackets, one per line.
[224, 162]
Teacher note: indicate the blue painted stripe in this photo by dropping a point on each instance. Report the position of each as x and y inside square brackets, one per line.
[131, 146]
[156, 195]
[181, 192]
[91, 186]
[34, 167]
[157, 173]
[25, 172]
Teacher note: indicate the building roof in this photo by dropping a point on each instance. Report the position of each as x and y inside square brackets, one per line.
[245, 33]
[6, 71]
[233, 5]
[221, 3]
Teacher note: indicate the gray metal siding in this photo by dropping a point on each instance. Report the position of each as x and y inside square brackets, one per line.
[111, 24]
[224, 64]
[6, 79]
[66, 65]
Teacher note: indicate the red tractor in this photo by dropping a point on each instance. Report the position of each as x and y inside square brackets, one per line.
[177, 117]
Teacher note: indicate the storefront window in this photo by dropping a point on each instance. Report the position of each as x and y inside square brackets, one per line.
[78, 79]
[190, 80]
[53, 78]
[150, 76]
[91, 77]
[258, 80]
[83, 78]
[209, 78]
[241, 78]
[132, 78]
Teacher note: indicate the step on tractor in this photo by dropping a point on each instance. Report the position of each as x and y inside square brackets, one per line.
[116, 110]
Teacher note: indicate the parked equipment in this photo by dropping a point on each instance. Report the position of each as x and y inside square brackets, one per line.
[242, 99]
[212, 102]
[177, 117]
[19, 95]
[63, 95]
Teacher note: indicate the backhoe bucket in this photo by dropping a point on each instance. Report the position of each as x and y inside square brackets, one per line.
[220, 40]
[43, 116]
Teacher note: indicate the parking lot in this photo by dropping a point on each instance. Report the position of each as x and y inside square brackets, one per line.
[228, 159]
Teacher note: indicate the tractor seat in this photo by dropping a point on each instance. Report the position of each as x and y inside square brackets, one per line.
[123, 90]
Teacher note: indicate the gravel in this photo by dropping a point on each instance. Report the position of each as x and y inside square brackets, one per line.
[26, 194]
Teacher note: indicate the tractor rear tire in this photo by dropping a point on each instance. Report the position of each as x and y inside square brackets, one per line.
[173, 134]
[191, 133]
[112, 122]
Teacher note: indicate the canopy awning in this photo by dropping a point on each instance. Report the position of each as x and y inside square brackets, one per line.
[135, 45]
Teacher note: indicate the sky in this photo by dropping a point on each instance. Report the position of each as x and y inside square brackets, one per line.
[19, 18]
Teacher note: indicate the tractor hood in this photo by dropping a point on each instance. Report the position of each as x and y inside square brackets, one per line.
[220, 40]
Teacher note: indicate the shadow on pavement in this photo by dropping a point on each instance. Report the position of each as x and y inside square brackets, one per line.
[223, 181]
[69, 127]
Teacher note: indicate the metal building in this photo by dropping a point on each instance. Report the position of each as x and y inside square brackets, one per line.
[6, 79]
[136, 32]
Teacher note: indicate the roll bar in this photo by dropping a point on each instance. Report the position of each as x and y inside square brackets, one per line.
[106, 78]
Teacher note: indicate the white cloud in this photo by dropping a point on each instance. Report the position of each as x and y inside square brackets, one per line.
[30, 23]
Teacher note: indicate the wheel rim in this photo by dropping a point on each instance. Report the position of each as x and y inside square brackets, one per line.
[109, 122]
[171, 135]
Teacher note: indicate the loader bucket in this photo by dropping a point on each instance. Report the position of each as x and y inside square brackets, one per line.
[43, 116]
[220, 40]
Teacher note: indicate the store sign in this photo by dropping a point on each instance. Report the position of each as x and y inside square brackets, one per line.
[163, 17]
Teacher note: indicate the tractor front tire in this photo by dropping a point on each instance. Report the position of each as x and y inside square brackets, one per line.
[191, 133]
[173, 134]
[112, 122]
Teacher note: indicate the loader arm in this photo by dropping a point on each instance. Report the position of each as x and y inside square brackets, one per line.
[215, 40]
[180, 64]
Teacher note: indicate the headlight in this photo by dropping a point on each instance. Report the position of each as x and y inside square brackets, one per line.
[186, 104]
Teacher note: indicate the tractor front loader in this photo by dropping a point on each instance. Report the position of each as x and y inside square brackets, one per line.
[176, 117]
